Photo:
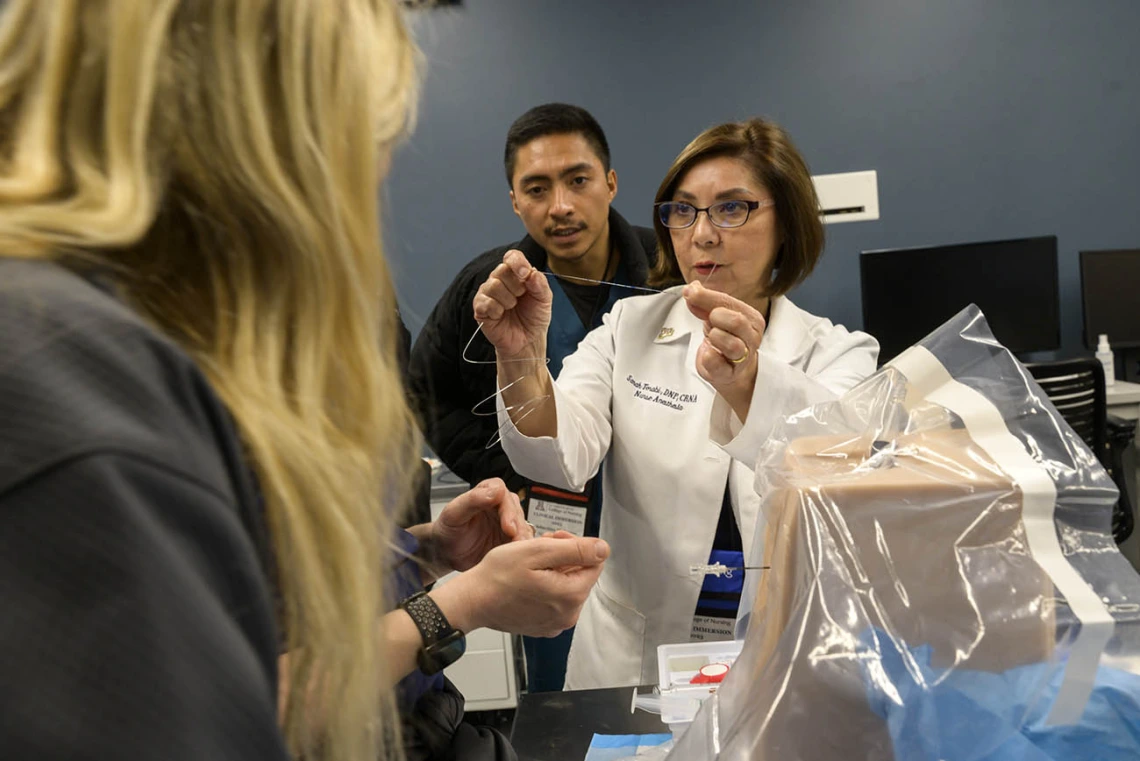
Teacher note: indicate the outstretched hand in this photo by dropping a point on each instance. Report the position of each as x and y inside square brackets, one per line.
[536, 588]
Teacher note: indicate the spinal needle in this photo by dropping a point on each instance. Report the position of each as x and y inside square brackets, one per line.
[720, 569]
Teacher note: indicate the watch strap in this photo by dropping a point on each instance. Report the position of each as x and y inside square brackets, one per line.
[427, 617]
[443, 644]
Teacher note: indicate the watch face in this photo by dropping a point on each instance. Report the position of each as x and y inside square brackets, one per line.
[442, 654]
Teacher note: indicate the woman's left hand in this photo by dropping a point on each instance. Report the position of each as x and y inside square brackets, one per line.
[476, 522]
[727, 357]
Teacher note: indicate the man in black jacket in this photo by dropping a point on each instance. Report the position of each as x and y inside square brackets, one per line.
[557, 165]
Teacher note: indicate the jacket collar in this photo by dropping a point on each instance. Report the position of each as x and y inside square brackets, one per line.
[622, 234]
[786, 337]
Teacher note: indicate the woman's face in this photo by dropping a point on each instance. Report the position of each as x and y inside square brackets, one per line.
[734, 260]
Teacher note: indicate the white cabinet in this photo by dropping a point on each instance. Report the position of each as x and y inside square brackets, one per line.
[486, 672]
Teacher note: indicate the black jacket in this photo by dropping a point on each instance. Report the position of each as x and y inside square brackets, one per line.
[137, 620]
[445, 388]
[138, 614]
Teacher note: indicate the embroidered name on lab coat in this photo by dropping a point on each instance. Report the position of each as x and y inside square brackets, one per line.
[664, 396]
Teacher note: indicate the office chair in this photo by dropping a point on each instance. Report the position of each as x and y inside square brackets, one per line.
[1076, 388]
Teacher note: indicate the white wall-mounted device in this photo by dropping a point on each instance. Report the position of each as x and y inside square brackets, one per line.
[848, 196]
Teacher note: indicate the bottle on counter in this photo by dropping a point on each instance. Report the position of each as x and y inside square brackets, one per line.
[1104, 354]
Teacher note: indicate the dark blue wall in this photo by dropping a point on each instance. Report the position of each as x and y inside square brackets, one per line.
[984, 119]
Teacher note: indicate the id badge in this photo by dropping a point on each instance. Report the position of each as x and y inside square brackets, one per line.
[711, 629]
[549, 509]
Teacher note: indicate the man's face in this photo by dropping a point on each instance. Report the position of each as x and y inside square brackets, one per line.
[562, 194]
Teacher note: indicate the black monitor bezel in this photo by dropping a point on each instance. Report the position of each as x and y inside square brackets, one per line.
[1090, 340]
[1054, 272]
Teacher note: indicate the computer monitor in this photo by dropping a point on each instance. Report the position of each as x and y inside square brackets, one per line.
[908, 292]
[1110, 297]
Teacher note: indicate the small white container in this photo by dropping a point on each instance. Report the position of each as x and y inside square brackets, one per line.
[676, 666]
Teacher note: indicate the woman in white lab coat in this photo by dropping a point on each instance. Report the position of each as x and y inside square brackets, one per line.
[677, 391]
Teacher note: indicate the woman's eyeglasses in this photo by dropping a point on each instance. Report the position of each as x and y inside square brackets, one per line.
[677, 215]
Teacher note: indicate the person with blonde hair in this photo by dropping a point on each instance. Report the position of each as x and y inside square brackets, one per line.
[676, 393]
[203, 441]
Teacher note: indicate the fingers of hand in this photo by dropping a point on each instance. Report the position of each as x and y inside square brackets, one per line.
[734, 332]
[712, 365]
[745, 322]
[486, 308]
[706, 300]
[537, 286]
[511, 516]
[530, 598]
[556, 552]
[722, 310]
[501, 291]
[574, 584]
[502, 288]
[491, 490]
[562, 593]
[516, 261]
[697, 311]
[486, 496]
[728, 345]
[512, 276]
[585, 577]
[698, 297]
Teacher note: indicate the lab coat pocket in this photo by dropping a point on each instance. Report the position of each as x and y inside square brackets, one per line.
[608, 644]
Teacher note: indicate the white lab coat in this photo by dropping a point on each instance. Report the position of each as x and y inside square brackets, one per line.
[631, 391]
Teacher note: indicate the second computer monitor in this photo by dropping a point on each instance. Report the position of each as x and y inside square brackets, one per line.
[1110, 297]
[909, 292]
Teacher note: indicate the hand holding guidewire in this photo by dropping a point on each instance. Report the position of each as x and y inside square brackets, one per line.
[733, 332]
[513, 309]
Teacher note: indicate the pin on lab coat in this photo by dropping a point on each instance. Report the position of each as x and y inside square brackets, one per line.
[631, 394]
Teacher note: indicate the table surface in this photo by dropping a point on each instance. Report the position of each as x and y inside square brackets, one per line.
[558, 726]
[1123, 392]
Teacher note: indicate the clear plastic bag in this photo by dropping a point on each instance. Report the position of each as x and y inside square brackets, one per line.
[943, 583]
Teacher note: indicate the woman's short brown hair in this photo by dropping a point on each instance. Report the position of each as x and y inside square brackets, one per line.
[777, 166]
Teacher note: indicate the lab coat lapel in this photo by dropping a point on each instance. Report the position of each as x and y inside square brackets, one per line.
[785, 337]
[679, 324]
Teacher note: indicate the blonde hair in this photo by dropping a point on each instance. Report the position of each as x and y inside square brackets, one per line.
[222, 159]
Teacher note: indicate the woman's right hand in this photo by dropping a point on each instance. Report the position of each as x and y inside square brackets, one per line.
[513, 308]
[535, 587]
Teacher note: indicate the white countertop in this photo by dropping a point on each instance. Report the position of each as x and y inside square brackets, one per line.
[1122, 392]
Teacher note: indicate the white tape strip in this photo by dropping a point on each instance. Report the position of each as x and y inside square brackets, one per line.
[986, 427]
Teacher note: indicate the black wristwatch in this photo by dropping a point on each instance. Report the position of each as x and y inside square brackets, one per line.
[443, 643]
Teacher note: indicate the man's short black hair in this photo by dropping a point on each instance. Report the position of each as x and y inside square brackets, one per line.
[554, 119]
